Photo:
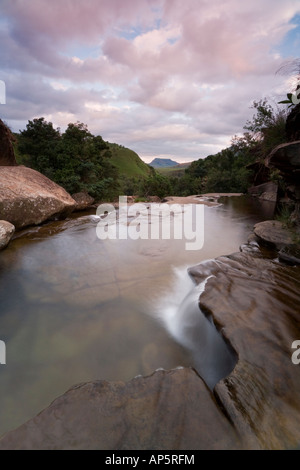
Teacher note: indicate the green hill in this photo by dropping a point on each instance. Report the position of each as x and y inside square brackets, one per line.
[127, 161]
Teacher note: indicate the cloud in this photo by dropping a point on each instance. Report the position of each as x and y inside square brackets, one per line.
[164, 77]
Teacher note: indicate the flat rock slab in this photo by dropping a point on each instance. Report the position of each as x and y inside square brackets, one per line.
[272, 232]
[29, 198]
[168, 410]
[6, 232]
[255, 302]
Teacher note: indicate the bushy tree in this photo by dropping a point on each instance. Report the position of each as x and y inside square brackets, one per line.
[76, 159]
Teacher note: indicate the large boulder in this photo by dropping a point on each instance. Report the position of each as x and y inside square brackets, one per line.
[169, 410]
[6, 232]
[29, 198]
[255, 303]
[286, 158]
[265, 192]
[292, 126]
[7, 155]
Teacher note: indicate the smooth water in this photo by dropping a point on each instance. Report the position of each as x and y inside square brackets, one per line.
[75, 308]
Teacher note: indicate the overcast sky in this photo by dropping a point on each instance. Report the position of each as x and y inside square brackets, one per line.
[166, 78]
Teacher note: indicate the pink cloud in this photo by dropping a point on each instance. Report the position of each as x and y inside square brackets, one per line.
[194, 73]
[77, 19]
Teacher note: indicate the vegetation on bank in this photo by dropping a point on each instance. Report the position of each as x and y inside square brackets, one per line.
[80, 161]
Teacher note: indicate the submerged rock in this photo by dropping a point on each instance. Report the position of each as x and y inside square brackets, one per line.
[29, 198]
[169, 410]
[6, 232]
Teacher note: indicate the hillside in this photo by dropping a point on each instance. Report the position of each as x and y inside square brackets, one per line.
[177, 170]
[162, 163]
[127, 161]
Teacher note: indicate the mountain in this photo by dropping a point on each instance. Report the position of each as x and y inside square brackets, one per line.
[127, 161]
[162, 163]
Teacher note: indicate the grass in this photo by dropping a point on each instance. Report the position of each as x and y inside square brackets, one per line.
[128, 162]
[284, 216]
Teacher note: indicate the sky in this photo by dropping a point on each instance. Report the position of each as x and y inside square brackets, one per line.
[166, 78]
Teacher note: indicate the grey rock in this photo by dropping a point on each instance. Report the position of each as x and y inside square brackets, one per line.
[6, 232]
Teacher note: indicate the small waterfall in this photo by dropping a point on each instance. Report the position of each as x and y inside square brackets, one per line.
[183, 319]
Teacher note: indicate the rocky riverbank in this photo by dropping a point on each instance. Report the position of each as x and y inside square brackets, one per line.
[253, 299]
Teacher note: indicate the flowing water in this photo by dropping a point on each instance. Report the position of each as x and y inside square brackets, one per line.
[75, 308]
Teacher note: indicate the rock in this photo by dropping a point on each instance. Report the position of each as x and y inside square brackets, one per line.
[168, 410]
[286, 158]
[290, 255]
[272, 232]
[266, 192]
[83, 201]
[154, 199]
[295, 216]
[7, 155]
[292, 126]
[255, 302]
[29, 198]
[6, 232]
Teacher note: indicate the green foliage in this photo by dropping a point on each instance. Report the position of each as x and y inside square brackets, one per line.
[266, 130]
[154, 185]
[289, 100]
[284, 216]
[76, 159]
[224, 172]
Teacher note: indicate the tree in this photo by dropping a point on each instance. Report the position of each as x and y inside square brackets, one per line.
[38, 144]
[76, 159]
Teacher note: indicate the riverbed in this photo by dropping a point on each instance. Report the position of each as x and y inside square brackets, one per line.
[75, 308]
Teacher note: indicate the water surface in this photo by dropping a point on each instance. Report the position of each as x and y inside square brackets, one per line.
[75, 308]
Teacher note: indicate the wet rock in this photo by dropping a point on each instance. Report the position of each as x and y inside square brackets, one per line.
[290, 255]
[83, 201]
[6, 232]
[273, 232]
[29, 198]
[166, 410]
[255, 302]
[7, 155]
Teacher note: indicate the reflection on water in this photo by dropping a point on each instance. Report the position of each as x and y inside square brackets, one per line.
[75, 308]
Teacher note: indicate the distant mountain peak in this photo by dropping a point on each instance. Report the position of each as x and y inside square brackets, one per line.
[162, 163]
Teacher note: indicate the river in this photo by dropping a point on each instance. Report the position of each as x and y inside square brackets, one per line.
[75, 308]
